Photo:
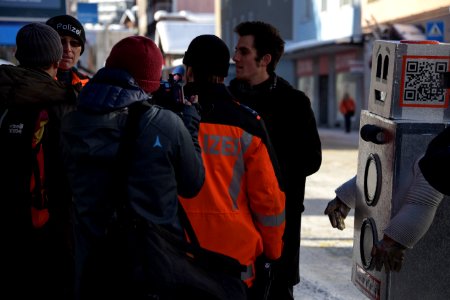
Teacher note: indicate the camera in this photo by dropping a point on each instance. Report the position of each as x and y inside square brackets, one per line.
[170, 94]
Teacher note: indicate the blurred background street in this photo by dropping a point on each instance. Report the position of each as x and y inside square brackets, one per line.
[326, 253]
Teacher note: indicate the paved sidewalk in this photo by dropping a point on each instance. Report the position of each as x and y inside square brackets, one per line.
[325, 252]
[336, 138]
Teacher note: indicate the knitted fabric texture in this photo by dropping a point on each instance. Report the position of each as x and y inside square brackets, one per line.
[141, 58]
[68, 25]
[38, 45]
[209, 55]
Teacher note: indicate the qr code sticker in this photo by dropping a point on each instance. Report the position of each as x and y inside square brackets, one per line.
[422, 82]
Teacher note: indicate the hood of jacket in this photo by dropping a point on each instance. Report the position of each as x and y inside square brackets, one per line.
[24, 86]
[109, 90]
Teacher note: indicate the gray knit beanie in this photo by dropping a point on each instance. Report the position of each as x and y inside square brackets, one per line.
[38, 45]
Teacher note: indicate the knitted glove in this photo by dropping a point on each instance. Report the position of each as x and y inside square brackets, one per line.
[337, 211]
[389, 253]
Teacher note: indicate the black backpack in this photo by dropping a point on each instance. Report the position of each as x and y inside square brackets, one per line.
[23, 137]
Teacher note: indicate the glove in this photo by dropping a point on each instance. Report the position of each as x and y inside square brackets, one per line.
[388, 252]
[264, 274]
[337, 211]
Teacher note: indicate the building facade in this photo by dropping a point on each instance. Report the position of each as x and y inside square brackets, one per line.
[329, 42]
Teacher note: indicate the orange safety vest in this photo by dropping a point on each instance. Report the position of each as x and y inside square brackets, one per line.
[240, 209]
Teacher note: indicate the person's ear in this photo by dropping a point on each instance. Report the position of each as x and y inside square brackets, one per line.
[266, 59]
[189, 74]
[53, 69]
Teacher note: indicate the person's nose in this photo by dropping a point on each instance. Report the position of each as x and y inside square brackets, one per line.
[235, 57]
[67, 47]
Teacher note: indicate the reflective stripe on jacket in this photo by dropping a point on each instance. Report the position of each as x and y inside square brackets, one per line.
[240, 208]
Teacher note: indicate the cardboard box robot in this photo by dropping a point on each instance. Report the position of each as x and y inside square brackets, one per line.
[408, 106]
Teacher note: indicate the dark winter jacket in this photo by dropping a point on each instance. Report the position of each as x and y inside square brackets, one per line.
[24, 86]
[435, 165]
[292, 129]
[37, 255]
[165, 162]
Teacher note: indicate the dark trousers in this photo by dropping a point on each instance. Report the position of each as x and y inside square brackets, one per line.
[281, 291]
[348, 122]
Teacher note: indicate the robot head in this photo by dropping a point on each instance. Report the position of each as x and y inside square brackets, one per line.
[406, 80]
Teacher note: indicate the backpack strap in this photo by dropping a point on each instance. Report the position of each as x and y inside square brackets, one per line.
[2, 116]
[186, 225]
[122, 209]
[38, 187]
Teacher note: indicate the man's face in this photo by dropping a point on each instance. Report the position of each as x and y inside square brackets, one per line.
[71, 52]
[248, 68]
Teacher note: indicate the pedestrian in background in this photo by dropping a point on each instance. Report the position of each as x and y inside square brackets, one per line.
[165, 161]
[73, 39]
[285, 111]
[37, 260]
[240, 209]
[347, 109]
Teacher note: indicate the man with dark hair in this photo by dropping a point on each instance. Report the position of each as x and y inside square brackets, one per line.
[73, 38]
[285, 110]
[240, 209]
[37, 258]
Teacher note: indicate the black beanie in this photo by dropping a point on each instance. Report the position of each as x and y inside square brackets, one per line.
[208, 54]
[38, 45]
[68, 25]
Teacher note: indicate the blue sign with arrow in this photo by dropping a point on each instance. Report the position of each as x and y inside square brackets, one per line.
[435, 31]
[87, 13]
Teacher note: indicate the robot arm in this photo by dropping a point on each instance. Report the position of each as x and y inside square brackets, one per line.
[347, 192]
[413, 220]
[338, 208]
[409, 225]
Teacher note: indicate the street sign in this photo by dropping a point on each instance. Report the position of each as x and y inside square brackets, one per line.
[435, 31]
[87, 12]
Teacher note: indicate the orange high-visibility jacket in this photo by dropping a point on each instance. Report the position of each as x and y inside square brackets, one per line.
[240, 208]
